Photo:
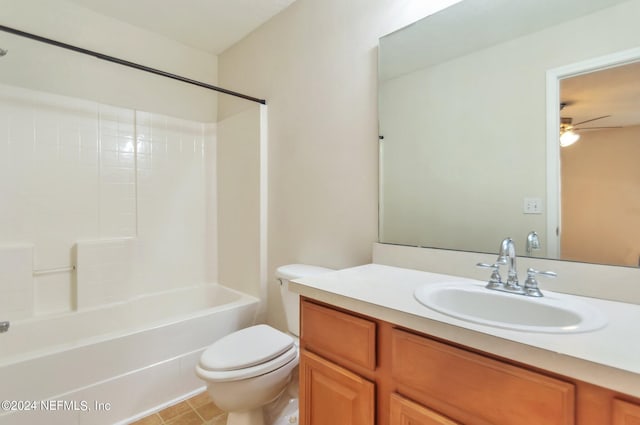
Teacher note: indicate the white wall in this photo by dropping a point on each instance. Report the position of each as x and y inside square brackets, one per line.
[315, 64]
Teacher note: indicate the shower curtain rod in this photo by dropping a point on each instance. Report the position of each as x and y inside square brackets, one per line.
[128, 63]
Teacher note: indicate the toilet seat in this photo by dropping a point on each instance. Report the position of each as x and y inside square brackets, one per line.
[247, 353]
[250, 372]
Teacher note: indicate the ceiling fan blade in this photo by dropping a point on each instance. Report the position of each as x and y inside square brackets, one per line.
[596, 128]
[592, 119]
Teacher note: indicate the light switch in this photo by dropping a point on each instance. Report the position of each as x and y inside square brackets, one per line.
[532, 206]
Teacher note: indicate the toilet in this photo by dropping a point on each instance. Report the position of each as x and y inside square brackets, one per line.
[251, 368]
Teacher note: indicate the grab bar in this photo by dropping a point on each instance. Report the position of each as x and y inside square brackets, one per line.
[54, 270]
[4, 327]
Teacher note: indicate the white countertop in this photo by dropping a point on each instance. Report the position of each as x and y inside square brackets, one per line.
[609, 357]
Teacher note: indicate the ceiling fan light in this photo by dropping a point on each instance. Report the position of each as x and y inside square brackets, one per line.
[568, 138]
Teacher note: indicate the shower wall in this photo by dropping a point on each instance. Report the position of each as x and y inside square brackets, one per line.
[127, 196]
[123, 195]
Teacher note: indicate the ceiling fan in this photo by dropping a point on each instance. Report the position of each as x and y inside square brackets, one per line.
[568, 135]
[566, 124]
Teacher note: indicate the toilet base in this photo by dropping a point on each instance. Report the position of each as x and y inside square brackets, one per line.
[286, 414]
[284, 410]
[252, 417]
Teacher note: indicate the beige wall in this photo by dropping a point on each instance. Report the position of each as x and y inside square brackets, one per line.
[238, 182]
[601, 197]
[316, 63]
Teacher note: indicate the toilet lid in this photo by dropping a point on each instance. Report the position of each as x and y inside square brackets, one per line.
[246, 348]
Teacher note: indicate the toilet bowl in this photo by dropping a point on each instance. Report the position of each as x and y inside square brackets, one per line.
[251, 368]
[247, 370]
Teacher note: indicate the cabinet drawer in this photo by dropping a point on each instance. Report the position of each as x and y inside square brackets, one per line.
[474, 389]
[406, 412]
[338, 336]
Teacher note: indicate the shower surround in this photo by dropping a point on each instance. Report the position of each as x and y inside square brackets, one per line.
[108, 256]
[100, 204]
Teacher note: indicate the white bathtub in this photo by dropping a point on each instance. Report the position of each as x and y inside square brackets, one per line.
[115, 363]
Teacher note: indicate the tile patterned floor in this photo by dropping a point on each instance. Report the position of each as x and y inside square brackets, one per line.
[198, 410]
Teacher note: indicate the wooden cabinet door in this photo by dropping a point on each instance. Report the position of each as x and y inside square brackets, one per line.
[332, 395]
[625, 413]
[406, 412]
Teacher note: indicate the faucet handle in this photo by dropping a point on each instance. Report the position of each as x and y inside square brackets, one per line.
[531, 284]
[533, 272]
[495, 281]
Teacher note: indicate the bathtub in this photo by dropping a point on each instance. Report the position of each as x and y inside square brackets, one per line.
[115, 363]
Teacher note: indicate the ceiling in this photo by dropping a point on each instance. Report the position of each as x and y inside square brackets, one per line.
[473, 25]
[613, 91]
[209, 25]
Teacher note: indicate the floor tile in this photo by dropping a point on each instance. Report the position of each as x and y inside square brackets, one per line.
[198, 410]
[218, 420]
[175, 410]
[149, 420]
[209, 411]
[189, 418]
[200, 399]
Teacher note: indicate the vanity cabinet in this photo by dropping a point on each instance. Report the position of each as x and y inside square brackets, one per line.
[359, 370]
[625, 413]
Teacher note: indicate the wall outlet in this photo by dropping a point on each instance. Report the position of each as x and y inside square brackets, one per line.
[532, 206]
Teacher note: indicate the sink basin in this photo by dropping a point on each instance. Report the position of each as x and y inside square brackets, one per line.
[553, 313]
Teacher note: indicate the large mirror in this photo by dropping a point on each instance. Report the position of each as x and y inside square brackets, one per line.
[470, 122]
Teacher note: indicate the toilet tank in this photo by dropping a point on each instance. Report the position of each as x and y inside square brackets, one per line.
[291, 300]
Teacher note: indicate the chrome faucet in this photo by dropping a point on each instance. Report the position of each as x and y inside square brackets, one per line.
[507, 256]
[4, 327]
[533, 243]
